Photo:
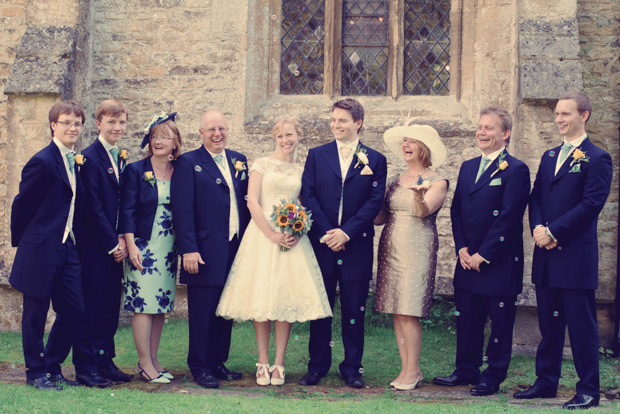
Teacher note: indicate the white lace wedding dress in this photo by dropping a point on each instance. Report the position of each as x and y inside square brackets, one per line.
[266, 283]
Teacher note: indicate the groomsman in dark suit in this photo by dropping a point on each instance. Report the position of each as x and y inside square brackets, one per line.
[343, 184]
[571, 187]
[210, 215]
[100, 247]
[44, 216]
[487, 225]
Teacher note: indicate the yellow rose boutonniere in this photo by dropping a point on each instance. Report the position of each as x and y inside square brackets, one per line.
[149, 177]
[579, 156]
[80, 159]
[502, 164]
[240, 167]
[123, 155]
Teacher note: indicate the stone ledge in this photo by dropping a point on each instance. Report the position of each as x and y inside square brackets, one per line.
[47, 41]
[39, 75]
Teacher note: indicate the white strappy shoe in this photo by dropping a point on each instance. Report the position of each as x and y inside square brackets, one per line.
[277, 381]
[262, 374]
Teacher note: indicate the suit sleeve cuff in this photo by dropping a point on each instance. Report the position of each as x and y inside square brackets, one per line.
[548, 233]
[114, 249]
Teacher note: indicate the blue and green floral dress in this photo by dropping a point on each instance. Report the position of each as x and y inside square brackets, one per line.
[152, 290]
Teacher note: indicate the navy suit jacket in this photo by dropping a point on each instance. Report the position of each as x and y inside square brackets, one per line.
[38, 219]
[569, 204]
[488, 220]
[363, 197]
[139, 200]
[98, 235]
[201, 212]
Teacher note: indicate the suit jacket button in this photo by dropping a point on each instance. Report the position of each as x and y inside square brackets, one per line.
[364, 235]
[560, 248]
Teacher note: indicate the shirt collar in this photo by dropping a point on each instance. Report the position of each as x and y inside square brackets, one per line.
[106, 144]
[577, 142]
[492, 156]
[353, 145]
[213, 154]
[63, 150]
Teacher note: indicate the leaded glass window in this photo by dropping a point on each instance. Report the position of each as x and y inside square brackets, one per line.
[302, 44]
[427, 43]
[364, 47]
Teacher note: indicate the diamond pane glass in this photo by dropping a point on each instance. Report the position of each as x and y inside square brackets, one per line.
[427, 47]
[364, 47]
[301, 51]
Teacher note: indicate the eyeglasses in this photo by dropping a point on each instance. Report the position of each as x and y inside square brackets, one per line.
[155, 138]
[68, 124]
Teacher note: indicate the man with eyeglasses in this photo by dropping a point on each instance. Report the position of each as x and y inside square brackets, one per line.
[44, 216]
[101, 248]
[210, 215]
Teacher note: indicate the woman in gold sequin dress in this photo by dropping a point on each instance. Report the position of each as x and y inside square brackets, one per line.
[408, 245]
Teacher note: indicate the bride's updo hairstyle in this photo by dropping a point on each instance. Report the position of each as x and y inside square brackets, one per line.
[286, 120]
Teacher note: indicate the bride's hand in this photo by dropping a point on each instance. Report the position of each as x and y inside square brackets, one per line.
[291, 241]
[278, 238]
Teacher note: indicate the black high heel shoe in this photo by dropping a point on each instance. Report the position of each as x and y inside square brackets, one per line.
[146, 377]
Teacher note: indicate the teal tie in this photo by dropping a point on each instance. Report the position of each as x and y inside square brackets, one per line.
[114, 152]
[565, 151]
[483, 164]
[219, 159]
[71, 158]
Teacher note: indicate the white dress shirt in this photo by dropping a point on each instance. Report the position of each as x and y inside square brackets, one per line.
[233, 222]
[577, 142]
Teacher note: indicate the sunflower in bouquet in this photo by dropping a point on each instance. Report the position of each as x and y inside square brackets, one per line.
[292, 218]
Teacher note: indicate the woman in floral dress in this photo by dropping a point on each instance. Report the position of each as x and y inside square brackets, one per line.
[146, 221]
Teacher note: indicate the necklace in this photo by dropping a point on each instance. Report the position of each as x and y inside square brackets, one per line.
[165, 172]
[418, 176]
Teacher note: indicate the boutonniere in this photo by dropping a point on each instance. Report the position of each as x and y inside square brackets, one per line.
[149, 177]
[578, 157]
[240, 167]
[80, 159]
[123, 155]
[502, 164]
[362, 158]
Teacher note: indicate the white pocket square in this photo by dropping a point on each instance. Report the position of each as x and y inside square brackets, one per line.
[495, 181]
[366, 171]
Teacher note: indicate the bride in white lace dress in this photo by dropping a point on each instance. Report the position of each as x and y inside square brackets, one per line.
[265, 283]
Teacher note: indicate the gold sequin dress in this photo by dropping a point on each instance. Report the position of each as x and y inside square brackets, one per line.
[407, 255]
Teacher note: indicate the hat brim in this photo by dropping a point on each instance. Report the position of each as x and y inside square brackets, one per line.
[159, 120]
[393, 139]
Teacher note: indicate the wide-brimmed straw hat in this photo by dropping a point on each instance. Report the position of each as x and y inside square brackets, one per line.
[426, 134]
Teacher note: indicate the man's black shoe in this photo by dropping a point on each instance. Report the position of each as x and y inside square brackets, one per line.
[43, 383]
[581, 402]
[207, 380]
[61, 380]
[482, 389]
[453, 380]
[311, 378]
[535, 391]
[92, 379]
[354, 382]
[112, 373]
[221, 372]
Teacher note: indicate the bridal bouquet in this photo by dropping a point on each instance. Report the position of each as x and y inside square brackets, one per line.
[292, 218]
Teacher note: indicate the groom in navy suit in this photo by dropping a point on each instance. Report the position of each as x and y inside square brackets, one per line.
[343, 184]
[44, 217]
[487, 225]
[100, 247]
[571, 187]
[210, 215]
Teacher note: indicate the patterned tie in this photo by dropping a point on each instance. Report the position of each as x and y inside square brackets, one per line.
[114, 152]
[483, 164]
[565, 151]
[219, 159]
[345, 152]
[71, 158]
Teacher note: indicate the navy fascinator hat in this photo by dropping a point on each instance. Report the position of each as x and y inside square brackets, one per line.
[156, 121]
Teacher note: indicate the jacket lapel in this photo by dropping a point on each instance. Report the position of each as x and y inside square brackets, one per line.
[566, 166]
[485, 178]
[351, 171]
[233, 173]
[105, 162]
[210, 167]
[330, 154]
[60, 165]
[149, 167]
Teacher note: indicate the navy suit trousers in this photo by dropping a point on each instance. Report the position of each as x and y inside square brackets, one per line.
[68, 303]
[352, 304]
[473, 312]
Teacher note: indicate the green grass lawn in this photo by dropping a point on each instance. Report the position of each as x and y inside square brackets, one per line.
[381, 365]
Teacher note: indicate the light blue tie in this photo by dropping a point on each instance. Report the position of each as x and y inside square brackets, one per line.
[114, 152]
[219, 159]
[71, 158]
[565, 151]
[483, 164]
